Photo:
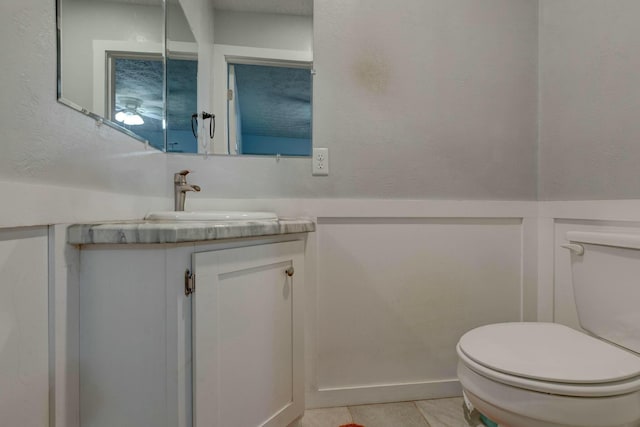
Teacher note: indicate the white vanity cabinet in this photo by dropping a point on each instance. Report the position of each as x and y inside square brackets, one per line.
[248, 336]
[242, 328]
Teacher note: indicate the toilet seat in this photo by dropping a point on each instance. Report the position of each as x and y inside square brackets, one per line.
[550, 358]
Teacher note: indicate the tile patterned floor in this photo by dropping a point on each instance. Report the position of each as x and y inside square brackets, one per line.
[424, 413]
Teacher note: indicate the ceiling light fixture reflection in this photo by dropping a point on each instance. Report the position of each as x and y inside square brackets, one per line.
[129, 118]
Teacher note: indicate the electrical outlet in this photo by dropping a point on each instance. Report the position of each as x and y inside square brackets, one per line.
[321, 161]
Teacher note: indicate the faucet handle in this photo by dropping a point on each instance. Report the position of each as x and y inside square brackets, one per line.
[181, 177]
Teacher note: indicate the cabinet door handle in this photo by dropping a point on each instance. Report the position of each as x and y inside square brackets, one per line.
[290, 271]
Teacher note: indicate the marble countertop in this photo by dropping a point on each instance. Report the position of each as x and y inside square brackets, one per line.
[146, 232]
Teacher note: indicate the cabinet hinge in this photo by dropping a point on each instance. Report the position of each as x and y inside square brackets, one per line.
[230, 95]
[189, 283]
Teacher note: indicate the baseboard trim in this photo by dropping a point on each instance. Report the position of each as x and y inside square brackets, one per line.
[348, 396]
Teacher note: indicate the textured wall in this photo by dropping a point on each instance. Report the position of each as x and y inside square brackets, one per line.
[47, 143]
[589, 99]
[428, 99]
[417, 99]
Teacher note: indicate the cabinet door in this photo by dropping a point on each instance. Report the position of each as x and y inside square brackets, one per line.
[248, 336]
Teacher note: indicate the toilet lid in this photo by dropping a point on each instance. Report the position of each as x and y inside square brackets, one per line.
[548, 352]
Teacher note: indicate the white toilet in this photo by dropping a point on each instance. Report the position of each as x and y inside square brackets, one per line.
[549, 375]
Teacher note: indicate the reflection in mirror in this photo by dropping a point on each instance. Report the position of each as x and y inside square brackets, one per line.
[182, 81]
[182, 85]
[135, 94]
[117, 64]
[110, 63]
[270, 113]
[262, 81]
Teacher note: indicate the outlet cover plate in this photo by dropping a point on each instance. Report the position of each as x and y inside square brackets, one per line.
[320, 161]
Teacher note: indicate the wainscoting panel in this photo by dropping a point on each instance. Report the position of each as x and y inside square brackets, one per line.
[24, 333]
[394, 295]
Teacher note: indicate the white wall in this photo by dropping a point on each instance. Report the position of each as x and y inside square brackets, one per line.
[178, 27]
[264, 30]
[427, 99]
[24, 335]
[465, 127]
[589, 99]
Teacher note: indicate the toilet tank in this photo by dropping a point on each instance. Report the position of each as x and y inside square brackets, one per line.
[606, 285]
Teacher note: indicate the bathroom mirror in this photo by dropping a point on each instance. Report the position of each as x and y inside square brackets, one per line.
[181, 80]
[262, 77]
[150, 68]
[111, 63]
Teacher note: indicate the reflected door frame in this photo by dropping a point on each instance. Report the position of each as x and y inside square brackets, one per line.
[225, 54]
[110, 86]
[233, 109]
[101, 66]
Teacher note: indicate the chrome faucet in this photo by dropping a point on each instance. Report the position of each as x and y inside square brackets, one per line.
[181, 187]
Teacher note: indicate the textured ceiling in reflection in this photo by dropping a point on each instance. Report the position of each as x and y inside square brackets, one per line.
[274, 101]
[182, 89]
[142, 79]
[138, 86]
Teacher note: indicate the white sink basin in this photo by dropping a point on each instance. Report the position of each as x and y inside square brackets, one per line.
[215, 216]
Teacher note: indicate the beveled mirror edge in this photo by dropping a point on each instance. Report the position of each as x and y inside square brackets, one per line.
[102, 121]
